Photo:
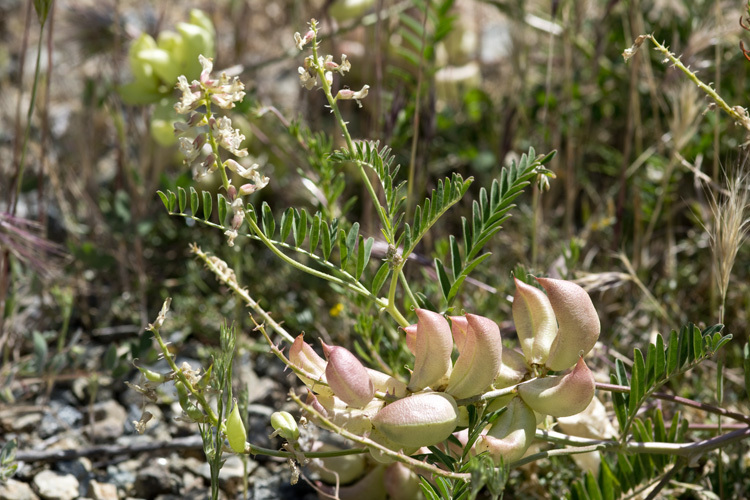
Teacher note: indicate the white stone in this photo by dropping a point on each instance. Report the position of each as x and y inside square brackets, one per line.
[53, 485]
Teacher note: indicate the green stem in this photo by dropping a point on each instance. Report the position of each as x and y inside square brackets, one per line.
[737, 112]
[215, 145]
[27, 131]
[214, 420]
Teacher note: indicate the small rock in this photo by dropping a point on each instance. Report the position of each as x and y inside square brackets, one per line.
[80, 468]
[59, 417]
[155, 480]
[16, 490]
[53, 485]
[102, 491]
[110, 421]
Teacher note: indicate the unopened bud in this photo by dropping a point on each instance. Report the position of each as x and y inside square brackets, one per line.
[284, 425]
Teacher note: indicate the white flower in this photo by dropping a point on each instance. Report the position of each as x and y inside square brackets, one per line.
[208, 65]
[189, 98]
[188, 149]
[228, 137]
[306, 79]
[346, 94]
[231, 235]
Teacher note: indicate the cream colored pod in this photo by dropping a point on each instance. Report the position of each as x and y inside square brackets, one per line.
[511, 435]
[419, 420]
[347, 377]
[577, 321]
[479, 360]
[560, 396]
[433, 345]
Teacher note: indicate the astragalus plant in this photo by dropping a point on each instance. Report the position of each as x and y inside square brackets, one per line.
[465, 409]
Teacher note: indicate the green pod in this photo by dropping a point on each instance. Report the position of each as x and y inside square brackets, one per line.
[236, 433]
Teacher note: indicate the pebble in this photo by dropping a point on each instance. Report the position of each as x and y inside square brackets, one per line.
[59, 418]
[109, 421]
[155, 479]
[16, 490]
[102, 491]
[53, 485]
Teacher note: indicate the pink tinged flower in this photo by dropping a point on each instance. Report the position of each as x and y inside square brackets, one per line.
[347, 377]
[511, 435]
[535, 322]
[304, 357]
[578, 323]
[411, 337]
[560, 396]
[208, 65]
[422, 419]
[480, 358]
[189, 151]
[432, 351]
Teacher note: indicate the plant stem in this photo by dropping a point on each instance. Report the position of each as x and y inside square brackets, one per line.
[683, 401]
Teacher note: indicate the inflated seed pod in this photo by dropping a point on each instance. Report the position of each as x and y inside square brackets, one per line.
[347, 377]
[578, 323]
[479, 361]
[560, 396]
[285, 426]
[422, 419]
[236, 433]
[535, 322]
[432, 351]
[459, 327]
[511, 435]
[304, 357]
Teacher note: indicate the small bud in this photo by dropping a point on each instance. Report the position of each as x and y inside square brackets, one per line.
[347, 377]
[423, 419]
[236, 433]
[578, 322]
[285, 426]
[560, 396]
[434, 345]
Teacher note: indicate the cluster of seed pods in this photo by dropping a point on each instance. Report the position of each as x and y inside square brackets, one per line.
[556, 329]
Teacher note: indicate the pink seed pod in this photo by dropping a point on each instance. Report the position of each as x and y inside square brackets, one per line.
[459, 327]
[578, 323]
[510, 436]
[560, 396]
[535, 322]
[419, 420]
[411, 337]
[304, 357]
[480, 358]
[347, 377]
[432, 351]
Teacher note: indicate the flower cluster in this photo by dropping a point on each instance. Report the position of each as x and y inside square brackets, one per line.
[556, 330]
[213, 132]
[318, 67]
